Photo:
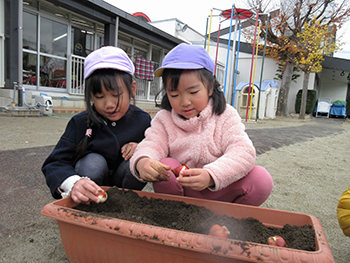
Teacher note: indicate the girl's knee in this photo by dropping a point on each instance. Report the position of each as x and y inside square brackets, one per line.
[257, 186]
[93, 166]
[171, 162]
[261, 178]
[168, 187]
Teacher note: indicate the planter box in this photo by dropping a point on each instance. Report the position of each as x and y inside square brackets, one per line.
[89, 238]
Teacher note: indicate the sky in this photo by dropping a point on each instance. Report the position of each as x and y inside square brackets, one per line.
[195, 14]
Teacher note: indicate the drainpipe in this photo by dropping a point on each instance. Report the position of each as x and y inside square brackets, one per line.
[20, 53]
[116, 31]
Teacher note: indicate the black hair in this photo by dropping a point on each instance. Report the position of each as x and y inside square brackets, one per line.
[208, 79]
[110, 79]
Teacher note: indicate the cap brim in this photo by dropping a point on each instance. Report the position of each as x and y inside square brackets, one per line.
[183, 65]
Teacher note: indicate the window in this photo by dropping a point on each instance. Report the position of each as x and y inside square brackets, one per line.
[82, 42]
[30, 47]
[156, 57]
[29, 68]
[46, 46]
[29, 31]
[220, 73]
[156, 83]
[53, 37]
[141, 49]
[251, 96]
[100, 42]
[52, 72]
[125, 43]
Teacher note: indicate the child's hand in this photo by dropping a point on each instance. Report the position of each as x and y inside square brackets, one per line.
[195, 179]
[84, 191]
[151, 170]
[128, 150]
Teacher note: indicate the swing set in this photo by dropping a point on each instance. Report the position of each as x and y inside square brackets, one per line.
[239, 14]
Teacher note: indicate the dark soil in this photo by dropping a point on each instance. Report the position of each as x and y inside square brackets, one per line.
[128, 205]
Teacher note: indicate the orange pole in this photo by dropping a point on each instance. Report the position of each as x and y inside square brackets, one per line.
[251, 68]
[256, 59]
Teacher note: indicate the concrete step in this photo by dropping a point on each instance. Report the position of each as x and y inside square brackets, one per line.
[19, 112]
[35, 112]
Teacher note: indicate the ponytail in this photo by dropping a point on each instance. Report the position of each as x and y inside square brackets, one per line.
[82, 146]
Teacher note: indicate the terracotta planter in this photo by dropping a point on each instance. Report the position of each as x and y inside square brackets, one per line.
[105, 239]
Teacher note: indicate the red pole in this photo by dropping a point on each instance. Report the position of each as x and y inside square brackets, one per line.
[217, 49]
[251, 68]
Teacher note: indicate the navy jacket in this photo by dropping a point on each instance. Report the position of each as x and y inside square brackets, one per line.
[106, 140]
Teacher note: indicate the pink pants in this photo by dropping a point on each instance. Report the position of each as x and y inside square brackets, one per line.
[253, 189]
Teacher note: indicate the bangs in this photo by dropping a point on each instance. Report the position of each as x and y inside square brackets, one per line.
[172, 77]
[107, 79]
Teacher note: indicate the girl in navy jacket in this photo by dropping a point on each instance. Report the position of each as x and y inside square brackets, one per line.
[97, 144]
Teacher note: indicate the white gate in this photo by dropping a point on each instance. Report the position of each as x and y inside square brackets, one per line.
[77, 82]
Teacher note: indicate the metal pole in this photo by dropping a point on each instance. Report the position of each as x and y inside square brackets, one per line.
[206, 32]
[233, 54]
[217, 49]
[262, 66]
[236, 66]
[251, 69]
[228, 50]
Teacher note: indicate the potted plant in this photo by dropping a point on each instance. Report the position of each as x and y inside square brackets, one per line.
[89, 237]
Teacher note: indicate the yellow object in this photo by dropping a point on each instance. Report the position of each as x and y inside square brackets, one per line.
[255, 60]
[343, 212]
[211, 16]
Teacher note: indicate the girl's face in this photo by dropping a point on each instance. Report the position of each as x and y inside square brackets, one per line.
[112, 105]
[191, 96]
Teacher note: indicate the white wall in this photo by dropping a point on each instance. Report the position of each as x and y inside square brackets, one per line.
[332, 89]
[295, 87]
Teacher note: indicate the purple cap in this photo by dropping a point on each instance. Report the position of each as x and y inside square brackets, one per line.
[108, 57]
[186, 56]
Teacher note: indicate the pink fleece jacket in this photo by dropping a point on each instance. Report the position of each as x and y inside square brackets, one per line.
[218, 144]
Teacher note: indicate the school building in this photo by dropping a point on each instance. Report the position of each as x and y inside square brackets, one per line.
[43, 44]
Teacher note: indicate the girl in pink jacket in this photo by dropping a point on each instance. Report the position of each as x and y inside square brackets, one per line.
[197, 128]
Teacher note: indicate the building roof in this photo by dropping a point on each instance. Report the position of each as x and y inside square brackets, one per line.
[107, 14]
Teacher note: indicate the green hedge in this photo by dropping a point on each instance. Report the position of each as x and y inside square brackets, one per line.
[310, 103]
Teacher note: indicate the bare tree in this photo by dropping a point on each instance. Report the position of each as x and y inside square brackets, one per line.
[285, 30]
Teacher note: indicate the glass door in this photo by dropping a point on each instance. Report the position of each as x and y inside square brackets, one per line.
[53, 53]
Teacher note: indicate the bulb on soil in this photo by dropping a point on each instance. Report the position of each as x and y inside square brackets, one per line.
[219, 231]
[276, 241]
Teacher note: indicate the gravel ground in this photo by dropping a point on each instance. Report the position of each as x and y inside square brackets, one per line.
[308, 159]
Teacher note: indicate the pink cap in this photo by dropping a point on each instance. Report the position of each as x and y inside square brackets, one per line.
[108, 57]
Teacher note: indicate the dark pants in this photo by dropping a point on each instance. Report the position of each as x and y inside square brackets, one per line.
[94, 166]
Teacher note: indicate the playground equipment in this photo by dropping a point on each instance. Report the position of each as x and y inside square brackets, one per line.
[265, 91]
[239, 14]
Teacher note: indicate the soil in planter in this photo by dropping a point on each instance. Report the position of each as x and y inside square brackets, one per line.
[128, 205]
